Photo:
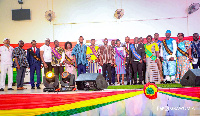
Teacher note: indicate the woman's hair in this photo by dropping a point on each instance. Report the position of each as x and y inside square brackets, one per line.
[68, 43]
[149, 36]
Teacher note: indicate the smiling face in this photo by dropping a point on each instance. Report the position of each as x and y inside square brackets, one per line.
[68, 46]
[56, 43]
[33, 43]
[105, 41]
[149, 39]
[118, 43]
[47, 42]
[156, 36]
[180, 37]
[92, 42]
[21, 44]
[81, 39]
[7, 41]
[113, 43]
[127, 39]
[168, 35]
[195, 37]
[136, 40]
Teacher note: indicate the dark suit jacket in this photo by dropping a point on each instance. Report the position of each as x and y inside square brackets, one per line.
[140, 50]
[127, 56]
[31, 59]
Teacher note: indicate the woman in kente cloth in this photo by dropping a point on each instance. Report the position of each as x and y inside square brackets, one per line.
[120, 59]
[69, 65]
[183, 55]
[152, 56]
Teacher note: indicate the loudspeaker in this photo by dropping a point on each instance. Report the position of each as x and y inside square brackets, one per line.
[191, 78]
[91, 81]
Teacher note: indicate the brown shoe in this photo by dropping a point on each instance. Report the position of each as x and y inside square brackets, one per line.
[24, 88]
[19, 88]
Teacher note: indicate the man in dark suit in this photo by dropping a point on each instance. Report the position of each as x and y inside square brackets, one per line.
[136, 54]
[33, 57]
[141, 41]
[128, 64]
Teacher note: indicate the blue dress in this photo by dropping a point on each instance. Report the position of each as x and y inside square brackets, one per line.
[120, 69]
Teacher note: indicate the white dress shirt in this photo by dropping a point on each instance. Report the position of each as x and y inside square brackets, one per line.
[33, 49]
[47, 53]
[6, 54]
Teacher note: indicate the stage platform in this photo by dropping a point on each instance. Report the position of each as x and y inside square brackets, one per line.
[108, 102]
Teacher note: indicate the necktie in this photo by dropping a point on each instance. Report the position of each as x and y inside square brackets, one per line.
[127, 46]
[34, 50]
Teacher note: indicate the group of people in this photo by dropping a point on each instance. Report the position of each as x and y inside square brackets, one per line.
[155, 61]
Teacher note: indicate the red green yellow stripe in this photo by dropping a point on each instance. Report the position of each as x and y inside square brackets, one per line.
[92, 103]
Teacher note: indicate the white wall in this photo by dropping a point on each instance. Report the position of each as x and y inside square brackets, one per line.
[85, 12]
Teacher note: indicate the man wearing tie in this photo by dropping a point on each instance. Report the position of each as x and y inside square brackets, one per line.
[136, 56]
[33, 57]
[128, 64]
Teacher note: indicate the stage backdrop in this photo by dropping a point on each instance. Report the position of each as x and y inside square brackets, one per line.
[95, 19]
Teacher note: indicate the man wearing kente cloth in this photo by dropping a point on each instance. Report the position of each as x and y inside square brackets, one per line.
[168, 56]
[152, 57]
[91, 54]
[58, 56]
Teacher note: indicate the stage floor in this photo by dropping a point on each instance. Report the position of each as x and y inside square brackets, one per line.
[108, 102]
[40, 91]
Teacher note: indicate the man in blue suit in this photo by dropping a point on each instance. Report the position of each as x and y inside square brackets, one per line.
[33, 57]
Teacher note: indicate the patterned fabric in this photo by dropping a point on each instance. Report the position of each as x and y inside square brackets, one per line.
[69, 67]
[153, 47]
[169, 45]
[183, 65]
[120, 69]
[183, 46]
[80, 54]
[152, 72]
[21, 57]
[93, 67]
[106, 53]
[169, 67]
[195, 54]
[159, 42]
[90, 54]
[55, 59]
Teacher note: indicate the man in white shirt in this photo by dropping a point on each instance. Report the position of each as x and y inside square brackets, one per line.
[6, 64]
[46, 56]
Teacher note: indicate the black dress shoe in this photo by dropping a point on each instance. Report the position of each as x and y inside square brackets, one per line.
[1, 89]
[167, 82]
[140, 83]
[10, 89]
[38, 88]
[162, 82]
[32, 87]
[128, 83]
[134, 83]
[172, 81]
